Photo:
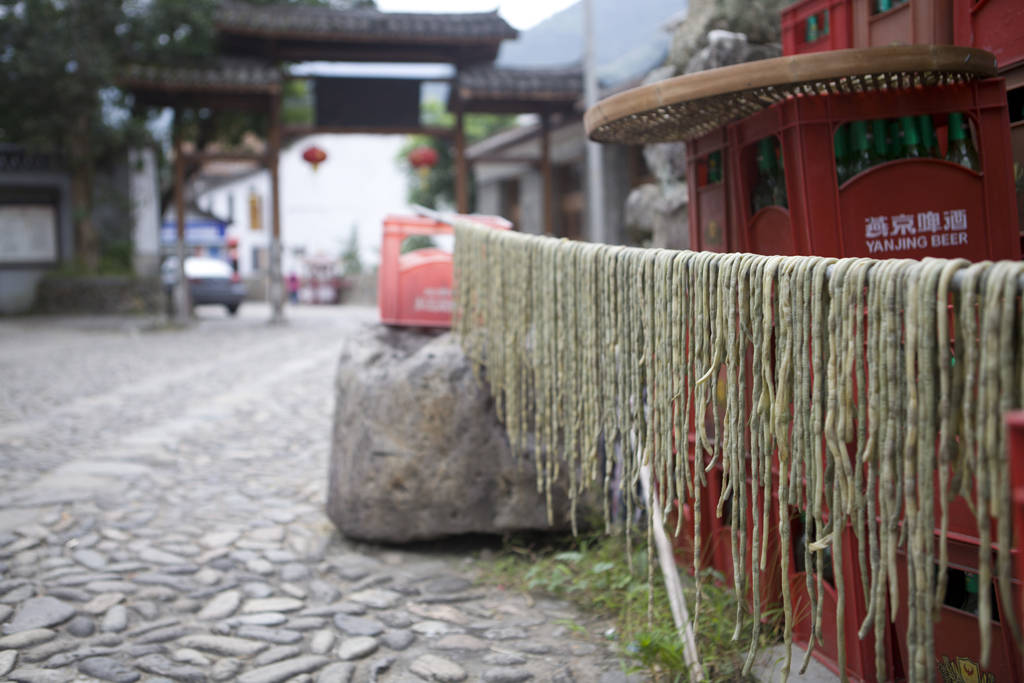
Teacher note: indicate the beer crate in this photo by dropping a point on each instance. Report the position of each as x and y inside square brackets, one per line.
[992, 25]
[709, 173]
[815, 26]
[906, 208]
[906, 22]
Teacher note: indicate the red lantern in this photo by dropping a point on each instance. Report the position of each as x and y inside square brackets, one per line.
[315, 156]
[424, 157]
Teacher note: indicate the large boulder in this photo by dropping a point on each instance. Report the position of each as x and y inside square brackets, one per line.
[418, 452]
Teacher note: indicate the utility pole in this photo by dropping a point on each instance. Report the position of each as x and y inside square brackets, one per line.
[595, 170]
[181, 298]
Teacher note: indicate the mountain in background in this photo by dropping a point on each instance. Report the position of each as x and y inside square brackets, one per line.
[631, 38]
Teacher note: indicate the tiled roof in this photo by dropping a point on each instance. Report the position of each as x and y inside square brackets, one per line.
[489, 82]
[361, 24]
[228, 74]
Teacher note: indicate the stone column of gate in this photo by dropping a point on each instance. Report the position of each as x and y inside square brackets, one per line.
[275, 288]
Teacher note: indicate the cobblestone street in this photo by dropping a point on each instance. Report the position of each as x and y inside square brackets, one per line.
[162, 518]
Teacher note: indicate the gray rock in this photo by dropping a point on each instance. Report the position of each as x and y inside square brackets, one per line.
[447, 584]
[161, 666]
[282, 671]
[434, 668]
[40, 676]
[259, 619]
[257, 589]
[41, 653]
[224, 645]
[276, 654]
[115, 620]
[358, 626]
[398, 640]
[410, 423]
[28, 638]
[5, 611]
[757, 19]
[294, 571]
[278, 636]
[306, 623]
[157, 556]
[111, 586]
[108, 669]
[534, 648]
[380, 665]
[504, 659]
[68, 593]
[225, 669]
[433, 628]
[143, 650]
[101, 603]
[508, 633]
[163, 635]
[90, 559]
[272, 605]
[339, 672]
[223, 605]
[190, 656]
[321, 642]
[81, 626]
[357, 648]
[457, 641]
[8, 658]
[377, 598]
[507, 675]
[39, 612]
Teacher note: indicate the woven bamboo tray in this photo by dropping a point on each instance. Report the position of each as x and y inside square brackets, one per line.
[693, 105]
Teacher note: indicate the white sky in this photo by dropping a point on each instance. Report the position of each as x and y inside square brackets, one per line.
[522, 14]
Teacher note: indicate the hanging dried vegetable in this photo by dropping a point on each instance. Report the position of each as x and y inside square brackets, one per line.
[832, 390]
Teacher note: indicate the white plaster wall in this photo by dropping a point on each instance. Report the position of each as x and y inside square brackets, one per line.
[358, 185]
[144, 191]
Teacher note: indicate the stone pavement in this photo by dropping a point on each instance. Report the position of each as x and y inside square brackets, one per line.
[161, 518]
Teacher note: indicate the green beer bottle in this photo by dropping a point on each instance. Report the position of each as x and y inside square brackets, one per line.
[884, 6]
[764, 190]
[961, 149]
[879, 140]
[861, 160]
[779, 191]
[911, 144]
[842, 149]
[895, 148]
[929, 143]
[825, 24]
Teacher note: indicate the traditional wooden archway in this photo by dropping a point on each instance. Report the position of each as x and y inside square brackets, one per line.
[256, 40]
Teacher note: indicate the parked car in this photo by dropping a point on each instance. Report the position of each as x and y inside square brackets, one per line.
[210, 281]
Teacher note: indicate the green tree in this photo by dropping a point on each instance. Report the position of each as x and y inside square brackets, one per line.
[436, 188]
[351, 262]
[59, 61]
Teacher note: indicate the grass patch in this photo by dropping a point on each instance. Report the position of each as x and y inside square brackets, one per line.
[592, 572]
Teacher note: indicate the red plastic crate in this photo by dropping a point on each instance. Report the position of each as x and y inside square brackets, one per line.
[913, 22]
[860, 654]
[709, 201]
[683, 543]
[957, 639]
[1015, 446]
[794, 26]
[415, 289]
[992, 25]
[828, 220]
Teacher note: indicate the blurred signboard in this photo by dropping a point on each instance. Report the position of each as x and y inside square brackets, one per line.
[28, 233]
[367, 102]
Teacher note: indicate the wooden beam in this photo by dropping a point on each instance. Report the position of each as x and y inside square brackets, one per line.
[546, 175]
[461, 169]
[273, 155]
[203, 157]
[292, 132]
[498, 158]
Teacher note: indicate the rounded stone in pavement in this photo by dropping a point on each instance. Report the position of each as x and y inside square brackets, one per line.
[357, 648]
[115, 620]
[224, 645]
[222, 605]
[24, 639]
[81, 626]
[8, 658]
[161, 666]
[322, 641]
[339, 672]
[225, 669]
[108, 669]
[272, 605]
[434, 668]
[399, 640]
[282, 671]
[39, 612]
[507, 675]
[358, 626]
